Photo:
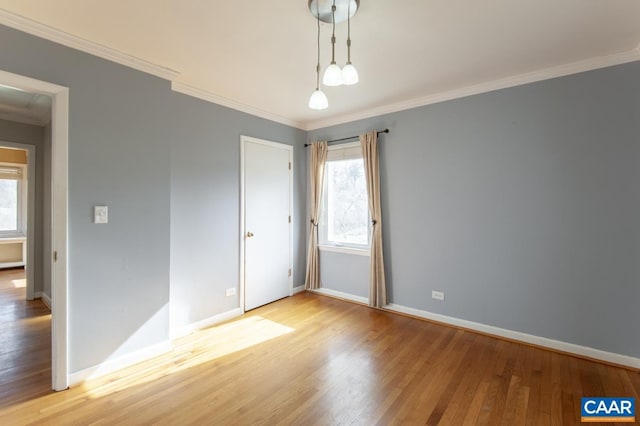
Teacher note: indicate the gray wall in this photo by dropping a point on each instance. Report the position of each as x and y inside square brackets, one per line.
[33, 135]
[522, 205]
[205, 204]
[118, 156]
[348, 273]
[133, 145]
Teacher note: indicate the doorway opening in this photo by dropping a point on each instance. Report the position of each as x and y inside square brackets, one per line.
[18, 95]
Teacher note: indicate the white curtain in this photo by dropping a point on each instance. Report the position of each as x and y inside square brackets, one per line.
[316, 178]
[377, 285]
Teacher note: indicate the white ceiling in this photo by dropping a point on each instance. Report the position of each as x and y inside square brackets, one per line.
[24, 107]
[260, 56]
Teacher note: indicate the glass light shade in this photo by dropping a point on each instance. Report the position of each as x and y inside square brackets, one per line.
[332, 76]
[349, 75]
[318, 100]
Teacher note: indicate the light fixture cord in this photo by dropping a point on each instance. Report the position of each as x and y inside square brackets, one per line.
[333, 36]
[349, 33]
[318, 64]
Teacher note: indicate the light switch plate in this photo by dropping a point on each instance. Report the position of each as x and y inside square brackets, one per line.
[100, 214]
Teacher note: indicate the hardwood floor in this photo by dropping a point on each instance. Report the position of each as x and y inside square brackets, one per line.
[25, 342]
[310, 359]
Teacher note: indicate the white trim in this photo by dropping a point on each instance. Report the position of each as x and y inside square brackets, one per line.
[571, 348]
[46, 32]
[298, 289]
[489, 86]
[341, 295]
[207, 322]
[12, 265]
[204, 95]
[59, 236]
[243, 141]
[59, 207]
[13, 239]
[119, 363]
[345, 250]
[242, 228]
[44, 297]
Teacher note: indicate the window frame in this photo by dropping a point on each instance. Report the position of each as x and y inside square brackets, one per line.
[21, 226]
[345, 151]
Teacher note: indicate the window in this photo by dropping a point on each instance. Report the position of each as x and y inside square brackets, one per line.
[344, 218]
[11, 200]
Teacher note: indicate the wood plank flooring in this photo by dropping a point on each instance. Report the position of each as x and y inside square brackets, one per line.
[25, 342]
[313, 360]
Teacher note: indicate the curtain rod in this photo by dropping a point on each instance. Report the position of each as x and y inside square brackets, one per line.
[350, 137]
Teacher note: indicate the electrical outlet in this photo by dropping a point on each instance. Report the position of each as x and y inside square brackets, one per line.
[231, 291]
[438, 295]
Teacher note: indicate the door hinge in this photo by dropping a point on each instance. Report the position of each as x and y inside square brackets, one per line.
[289, 219]
[289, 165]
[289, 271]
[55, 255]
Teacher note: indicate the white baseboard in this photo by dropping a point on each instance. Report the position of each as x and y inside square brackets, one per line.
[7, 265]
[570, 348]
[298, 289]
[341, 295]
[44, 297]
[207, 322]
[112, 365]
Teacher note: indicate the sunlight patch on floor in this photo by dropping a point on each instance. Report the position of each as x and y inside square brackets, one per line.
[19, 283]
[190, 351]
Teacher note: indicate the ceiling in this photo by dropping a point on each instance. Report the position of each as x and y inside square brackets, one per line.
[260, 56]
[24, 107]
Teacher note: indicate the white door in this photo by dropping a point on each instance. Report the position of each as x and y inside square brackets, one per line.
[267, 221]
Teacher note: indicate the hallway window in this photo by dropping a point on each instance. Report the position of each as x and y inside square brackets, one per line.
[11, 200]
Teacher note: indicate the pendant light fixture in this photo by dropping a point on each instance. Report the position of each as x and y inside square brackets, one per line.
[349, 72]
[333, 73]
[333, 12]
[318, 99]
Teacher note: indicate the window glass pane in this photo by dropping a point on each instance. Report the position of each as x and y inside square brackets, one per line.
[347, 211]
[8, 205]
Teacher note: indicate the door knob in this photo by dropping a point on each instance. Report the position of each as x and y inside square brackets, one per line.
[249, 234]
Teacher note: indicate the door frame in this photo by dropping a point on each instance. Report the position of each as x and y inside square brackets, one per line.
[243, 142]
[31, 214]
[59, 217]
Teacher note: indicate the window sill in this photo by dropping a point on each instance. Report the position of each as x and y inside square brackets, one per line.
[345, 250]
[12, 238]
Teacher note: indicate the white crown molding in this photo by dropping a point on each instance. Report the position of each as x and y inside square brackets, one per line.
[186, 89]
[38, 29]
[517, 80]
